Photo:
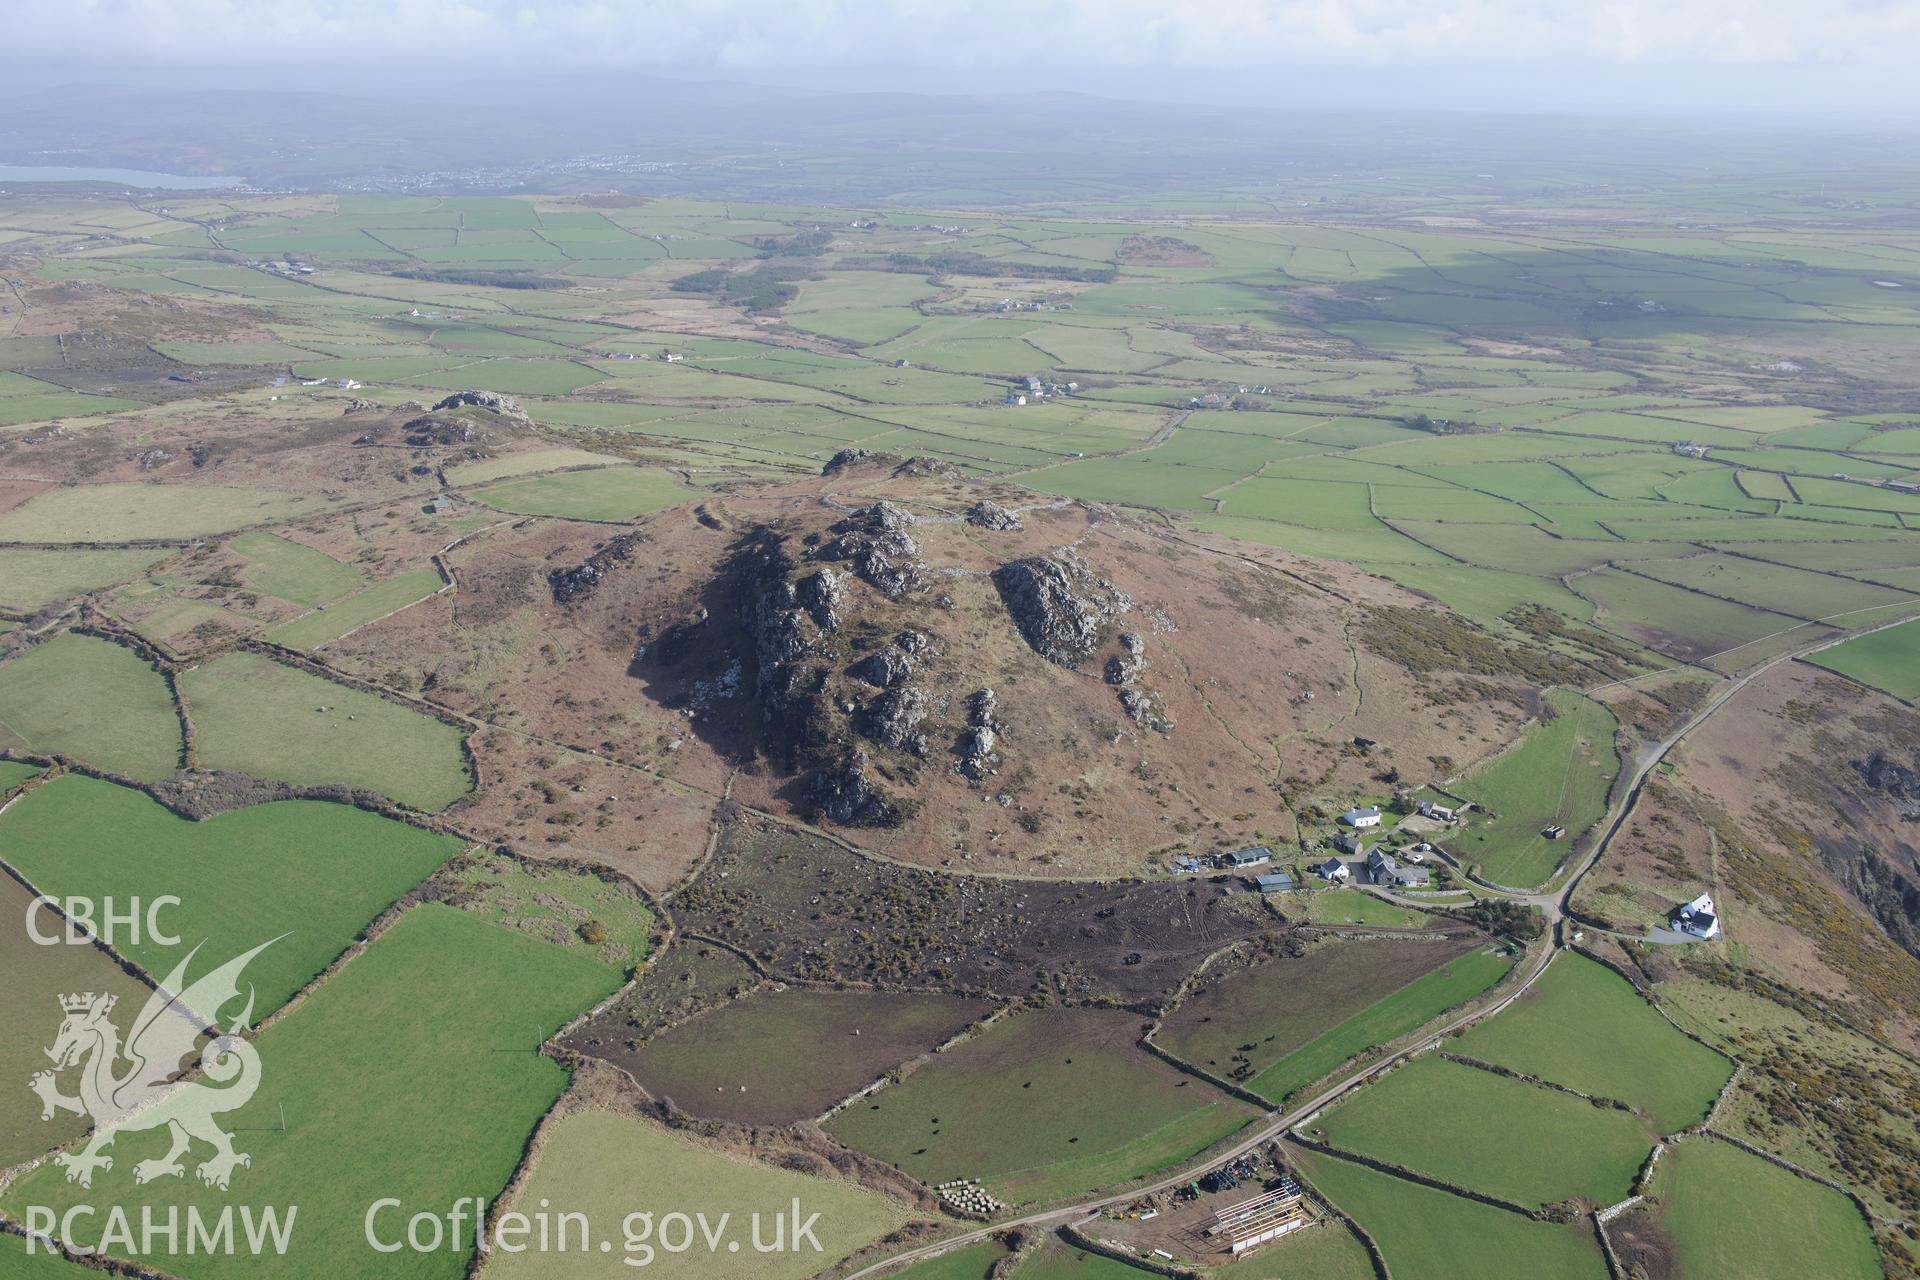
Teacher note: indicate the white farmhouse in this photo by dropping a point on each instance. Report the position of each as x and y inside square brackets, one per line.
[1359, 817]
[1698, 918]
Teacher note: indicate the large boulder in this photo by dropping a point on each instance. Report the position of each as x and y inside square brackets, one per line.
[1060, 609]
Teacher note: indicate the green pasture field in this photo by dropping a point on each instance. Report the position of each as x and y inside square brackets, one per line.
[1318, 505]
[331, 621]
[1058, 1260]
[1354, 906]
[93, 700]
[606, 1164]
[1384, 1021]
[520, 464]
[1361, 546]
[253, 715]
[41, 1263]
[37, 976]
[604, 918]
[832, 1043]
[1326, 1251]
[1431, 1235]
[1888, 660]
[1042, 1106]
[24, 399]
[124, 512]
[294, 571]
[410, 1073]
[1560, 773]
[14, 772]
[973, 1262]
[1486, 595]
[1585, 1027]
[1675, 621]
[1458, 1123]
[1797, 593]
[31, 578]
[314, 872]
[268, 353]
[1282, 1004]
[1733, 1214]
[608, 493]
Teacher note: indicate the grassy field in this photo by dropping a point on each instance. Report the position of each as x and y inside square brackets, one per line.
[30, 578]
[42, 1264]
[316, 873]
[832, 1043]
[245, 710]
[334, 620]
[1325, 1252]
[522, 464]
[1058, 1260]
[608, 1165]
[1041, 1106]
[123, 512]
[974, 1262]
[604, 918]
[1585, 1027]
[1351, 906]
[1386, 1020]
[1431, 1235]
[93, 700]
[1888, 660]
[607, 493]
[1457, 1123]
[30, 1003]
[412, 1073]
[1283, 1004]
[1733, 1214]
[294, 571]
[1560, 773]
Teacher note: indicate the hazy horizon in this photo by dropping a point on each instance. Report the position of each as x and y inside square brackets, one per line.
[1782, 59]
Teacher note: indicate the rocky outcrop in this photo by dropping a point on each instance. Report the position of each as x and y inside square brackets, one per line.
[1060, 609]
[976, 748]
[822, 596]
[844, 793]
[582, 580]
[492, 401]
[874, 543]
[1143, 708]
[886, 668]
[893, 719]
[844, 459]
[1127, 667]
[436, 429]
[358, 405]
[991, 515]
[922, 467]
[151, 458]
[1892, 779]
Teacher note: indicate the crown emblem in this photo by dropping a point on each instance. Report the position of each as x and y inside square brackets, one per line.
[81, 1002]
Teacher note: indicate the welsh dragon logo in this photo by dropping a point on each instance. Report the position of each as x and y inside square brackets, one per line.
[134, 1086]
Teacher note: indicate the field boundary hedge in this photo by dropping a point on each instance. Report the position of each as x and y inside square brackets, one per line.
[1409, 1175]
[1081, 1240]
[1521, 1076]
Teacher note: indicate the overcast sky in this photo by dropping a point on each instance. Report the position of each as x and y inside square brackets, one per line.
[1833, 52]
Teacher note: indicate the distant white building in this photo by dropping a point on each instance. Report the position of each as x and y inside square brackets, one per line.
[1359, 817]
[1698, 918]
